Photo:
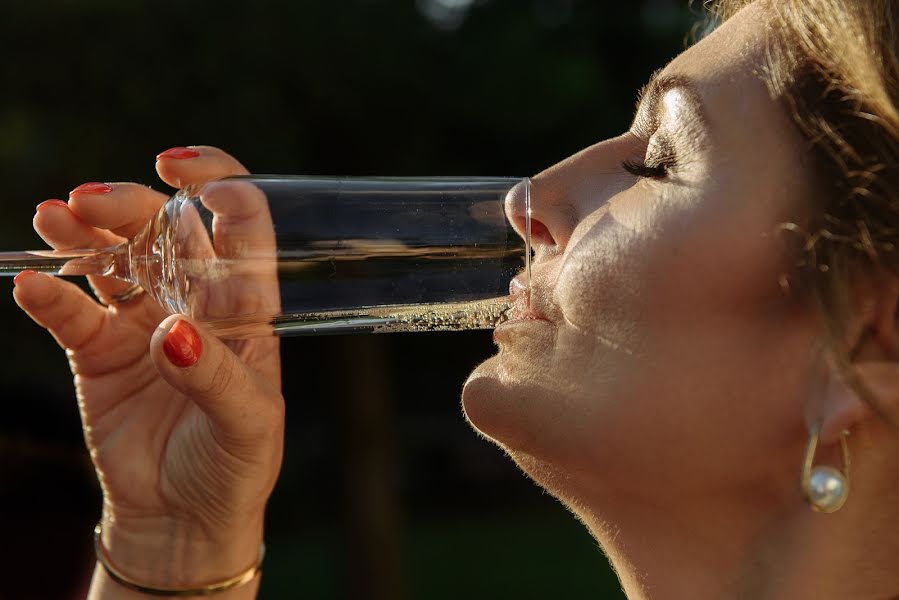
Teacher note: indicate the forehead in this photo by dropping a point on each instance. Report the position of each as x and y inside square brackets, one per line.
[743, 120]
[734, 49]
[726, 67]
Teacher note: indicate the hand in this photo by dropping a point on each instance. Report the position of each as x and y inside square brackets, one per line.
[187, 452]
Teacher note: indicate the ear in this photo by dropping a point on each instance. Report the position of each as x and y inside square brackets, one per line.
[867, 383]
[837, 406]
[879, 385]
[876, 337]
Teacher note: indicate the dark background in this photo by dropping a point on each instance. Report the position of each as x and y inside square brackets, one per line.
[385, 492]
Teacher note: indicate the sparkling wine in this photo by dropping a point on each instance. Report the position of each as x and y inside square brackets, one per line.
[265, 255]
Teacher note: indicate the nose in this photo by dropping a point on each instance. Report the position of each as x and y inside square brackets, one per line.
[520, 202]
[562, 195]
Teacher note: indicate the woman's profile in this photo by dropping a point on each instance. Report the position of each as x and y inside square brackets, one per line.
[704, 369]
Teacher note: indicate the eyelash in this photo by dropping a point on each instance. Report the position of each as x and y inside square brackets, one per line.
[663, 161]
[644, 171]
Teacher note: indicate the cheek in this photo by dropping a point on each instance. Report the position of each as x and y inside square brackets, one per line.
[689, 323]
[600, 285]
[642, 266]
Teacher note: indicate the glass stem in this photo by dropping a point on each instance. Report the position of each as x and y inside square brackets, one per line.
[108, 262]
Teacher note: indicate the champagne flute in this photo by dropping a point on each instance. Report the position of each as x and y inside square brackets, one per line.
[289, 255]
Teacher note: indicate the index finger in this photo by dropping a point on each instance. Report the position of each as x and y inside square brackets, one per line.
[183, 166]
[123, 208]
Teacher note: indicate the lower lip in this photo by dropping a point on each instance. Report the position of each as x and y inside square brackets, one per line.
[517, 322]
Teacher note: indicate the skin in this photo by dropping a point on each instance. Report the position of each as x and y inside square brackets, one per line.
[666, 397]
[664, 394]
[169, 443]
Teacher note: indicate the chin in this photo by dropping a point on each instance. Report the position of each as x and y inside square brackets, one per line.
[487, 404]
[517, 406]
[494, 405]
[493, 410]
[552, 436]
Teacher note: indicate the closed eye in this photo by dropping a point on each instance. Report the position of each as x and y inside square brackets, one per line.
[658, 161]
[644, 171]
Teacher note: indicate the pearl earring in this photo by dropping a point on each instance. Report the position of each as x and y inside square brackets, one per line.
[825, 488]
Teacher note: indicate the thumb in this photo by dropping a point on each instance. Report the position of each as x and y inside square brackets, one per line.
[238, 401]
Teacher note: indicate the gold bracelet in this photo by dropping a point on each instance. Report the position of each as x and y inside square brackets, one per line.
[206, 590]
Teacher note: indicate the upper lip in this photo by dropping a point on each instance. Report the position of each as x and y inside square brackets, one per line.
[526, 304]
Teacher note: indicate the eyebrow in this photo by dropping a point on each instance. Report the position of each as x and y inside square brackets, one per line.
[659, 85]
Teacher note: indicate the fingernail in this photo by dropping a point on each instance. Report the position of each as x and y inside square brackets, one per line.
[22, 275]
[93, 187]
[178, 152]
[182, 345]
[47, 203]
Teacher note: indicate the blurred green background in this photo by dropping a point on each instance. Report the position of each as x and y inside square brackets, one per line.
[385, 492]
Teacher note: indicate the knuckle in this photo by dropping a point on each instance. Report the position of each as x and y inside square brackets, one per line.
[275, 410]
[51, 303]
[221, 380]
[268, 418]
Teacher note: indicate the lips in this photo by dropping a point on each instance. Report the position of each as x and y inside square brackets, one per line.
[528, 312]
[526, 306]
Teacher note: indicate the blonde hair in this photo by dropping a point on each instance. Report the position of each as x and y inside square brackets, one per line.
[835, 65]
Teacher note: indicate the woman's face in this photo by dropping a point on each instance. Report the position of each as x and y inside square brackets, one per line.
[670, 360]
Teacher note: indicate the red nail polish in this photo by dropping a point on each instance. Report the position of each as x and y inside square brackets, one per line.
[93, 187]
[182, 345]
[47, 203]
[22, 275]
[178, 152]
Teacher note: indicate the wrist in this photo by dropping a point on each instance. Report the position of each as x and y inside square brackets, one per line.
[104, 588]
[170, 553]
